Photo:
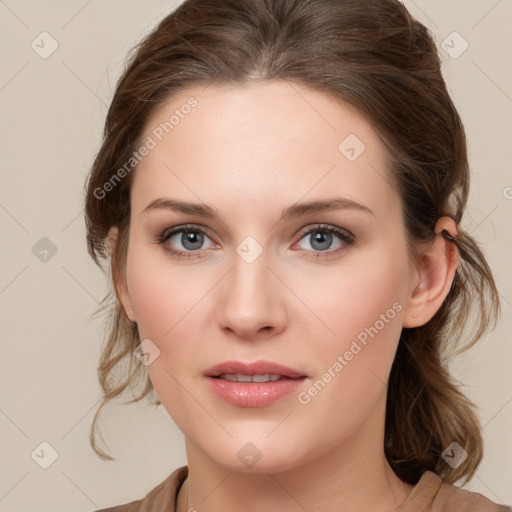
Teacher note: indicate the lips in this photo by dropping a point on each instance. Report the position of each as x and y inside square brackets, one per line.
[260, 367]
[253, 384]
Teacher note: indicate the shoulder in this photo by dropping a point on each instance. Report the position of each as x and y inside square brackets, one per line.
[431, 494]
[160, 499]
[453, 498]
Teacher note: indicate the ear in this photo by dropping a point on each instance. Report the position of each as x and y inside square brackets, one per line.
[120, 286]
[433, 277]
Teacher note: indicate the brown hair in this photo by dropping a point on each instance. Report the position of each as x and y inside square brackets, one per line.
[375, 56]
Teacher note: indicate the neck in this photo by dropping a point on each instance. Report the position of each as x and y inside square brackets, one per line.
[352, 476]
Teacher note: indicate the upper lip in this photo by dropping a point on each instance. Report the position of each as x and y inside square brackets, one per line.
[260, 367]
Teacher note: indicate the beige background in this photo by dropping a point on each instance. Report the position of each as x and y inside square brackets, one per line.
[52, 116]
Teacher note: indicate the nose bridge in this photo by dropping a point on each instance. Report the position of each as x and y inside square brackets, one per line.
[250, 298]
[249, 276]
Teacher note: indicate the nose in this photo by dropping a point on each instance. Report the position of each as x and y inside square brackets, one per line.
[251, 301]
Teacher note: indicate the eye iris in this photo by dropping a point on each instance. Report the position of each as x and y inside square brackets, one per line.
[320, 237]
[196, 239]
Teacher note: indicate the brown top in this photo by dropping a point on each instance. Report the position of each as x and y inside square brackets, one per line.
[430, 494]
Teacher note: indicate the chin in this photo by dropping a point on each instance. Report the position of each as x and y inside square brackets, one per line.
[257, 457]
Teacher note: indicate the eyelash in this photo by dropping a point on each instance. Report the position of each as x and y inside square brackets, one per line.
[346, 237]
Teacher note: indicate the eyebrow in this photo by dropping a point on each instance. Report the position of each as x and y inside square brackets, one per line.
[296, 210]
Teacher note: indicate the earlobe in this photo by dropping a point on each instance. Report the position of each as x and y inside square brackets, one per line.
[111, 239]
[119, 277]
[433, 276]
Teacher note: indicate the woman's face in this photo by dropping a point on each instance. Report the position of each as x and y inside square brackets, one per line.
[255, 284]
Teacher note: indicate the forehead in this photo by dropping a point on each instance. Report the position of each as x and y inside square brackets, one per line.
[246, 144]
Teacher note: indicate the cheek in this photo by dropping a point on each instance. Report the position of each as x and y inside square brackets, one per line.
[165, 301]
[161, 294]
[352, 297]
[350, 341]
[361, 327]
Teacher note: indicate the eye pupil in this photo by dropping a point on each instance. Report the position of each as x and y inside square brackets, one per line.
[193, 238]
[322, 237]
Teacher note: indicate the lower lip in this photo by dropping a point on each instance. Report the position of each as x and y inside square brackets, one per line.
[254, 394]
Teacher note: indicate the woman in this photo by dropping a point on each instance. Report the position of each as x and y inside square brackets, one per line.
[280, 189]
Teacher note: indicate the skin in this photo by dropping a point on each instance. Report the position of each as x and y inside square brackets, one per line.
[248, 153]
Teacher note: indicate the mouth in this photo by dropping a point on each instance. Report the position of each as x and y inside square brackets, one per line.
[254, 384]
[238, 377]
[257, 371]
